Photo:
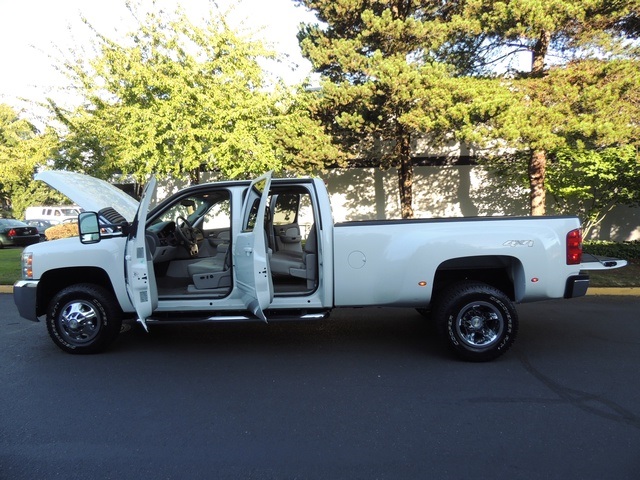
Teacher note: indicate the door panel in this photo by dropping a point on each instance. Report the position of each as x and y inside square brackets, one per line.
[140, 275]
[250, 253]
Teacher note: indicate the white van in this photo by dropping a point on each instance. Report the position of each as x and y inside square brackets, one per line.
[53, 213]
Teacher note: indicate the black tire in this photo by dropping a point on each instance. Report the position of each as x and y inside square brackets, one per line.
[83, 318]
[478, 322]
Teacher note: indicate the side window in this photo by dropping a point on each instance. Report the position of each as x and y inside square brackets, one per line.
[293, 218]
[257, 190]
[218, 217]
[285, 211]
[253, 216]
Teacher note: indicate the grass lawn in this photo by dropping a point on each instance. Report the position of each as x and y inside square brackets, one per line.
[9, 265]
[628, 276]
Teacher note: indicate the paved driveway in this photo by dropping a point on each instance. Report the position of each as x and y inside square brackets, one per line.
[367, 394]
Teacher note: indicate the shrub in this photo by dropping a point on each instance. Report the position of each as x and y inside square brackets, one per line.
[624, 250]
[64, 230]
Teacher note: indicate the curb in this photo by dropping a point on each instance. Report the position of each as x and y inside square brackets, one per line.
[615, 291]
[610, 291]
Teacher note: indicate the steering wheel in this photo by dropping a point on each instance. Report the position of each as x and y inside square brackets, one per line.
[185, 231]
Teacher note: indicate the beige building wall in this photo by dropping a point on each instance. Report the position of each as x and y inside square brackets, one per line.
[447, 191]
[443, 191]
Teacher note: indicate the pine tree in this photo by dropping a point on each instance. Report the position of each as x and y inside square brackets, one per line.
[381, 85]
[554, 34]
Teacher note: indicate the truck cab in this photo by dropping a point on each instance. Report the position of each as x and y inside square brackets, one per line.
[215, 252]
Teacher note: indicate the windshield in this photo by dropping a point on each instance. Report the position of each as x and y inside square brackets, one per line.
[207, 210]
[9, 222]
[70, 211]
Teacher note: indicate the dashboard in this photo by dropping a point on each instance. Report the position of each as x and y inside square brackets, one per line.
[162, 241]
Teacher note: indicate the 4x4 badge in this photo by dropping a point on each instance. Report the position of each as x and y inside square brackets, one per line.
[518, 243]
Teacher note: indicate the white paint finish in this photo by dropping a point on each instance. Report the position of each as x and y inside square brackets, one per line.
[140, 276]
[92, 194]
[360, 264]
[401, 255]
[252, 272]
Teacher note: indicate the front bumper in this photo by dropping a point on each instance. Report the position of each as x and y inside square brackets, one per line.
[577, 286]
[25, 294]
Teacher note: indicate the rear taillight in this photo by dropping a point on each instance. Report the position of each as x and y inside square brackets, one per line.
[12, 233]
[574, 247]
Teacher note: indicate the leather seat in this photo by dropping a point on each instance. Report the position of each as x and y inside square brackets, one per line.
[206, 265]
[212, 272]
[299, 266]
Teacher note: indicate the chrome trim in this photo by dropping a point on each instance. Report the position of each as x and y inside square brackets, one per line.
[235, 318]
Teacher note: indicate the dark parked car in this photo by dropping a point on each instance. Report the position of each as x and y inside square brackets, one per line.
[16, 233]
[41, 225]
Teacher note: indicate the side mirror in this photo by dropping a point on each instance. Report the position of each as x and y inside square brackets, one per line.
[89, 227]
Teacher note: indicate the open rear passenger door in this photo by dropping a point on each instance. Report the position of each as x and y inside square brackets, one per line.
[250, 256]
[140, 276]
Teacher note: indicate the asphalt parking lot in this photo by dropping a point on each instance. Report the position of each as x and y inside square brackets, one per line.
[368, 393]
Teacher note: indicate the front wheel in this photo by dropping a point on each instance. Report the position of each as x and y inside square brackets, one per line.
[477, 321]
[83, 318]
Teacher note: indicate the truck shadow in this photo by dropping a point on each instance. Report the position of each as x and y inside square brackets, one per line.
[385, 331]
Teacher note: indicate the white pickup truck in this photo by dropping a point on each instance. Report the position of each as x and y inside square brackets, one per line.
[269, 250]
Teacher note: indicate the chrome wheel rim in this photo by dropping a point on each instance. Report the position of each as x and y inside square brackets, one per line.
[479, 324]
[79, 322]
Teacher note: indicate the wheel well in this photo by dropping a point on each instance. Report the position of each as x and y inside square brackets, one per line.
[55, 280]
[502, 272]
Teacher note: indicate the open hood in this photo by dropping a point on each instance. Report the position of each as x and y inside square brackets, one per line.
[91, 194]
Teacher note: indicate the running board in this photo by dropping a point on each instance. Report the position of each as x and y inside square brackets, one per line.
[271, 317]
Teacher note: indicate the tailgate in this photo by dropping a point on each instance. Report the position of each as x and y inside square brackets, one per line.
[592, 262]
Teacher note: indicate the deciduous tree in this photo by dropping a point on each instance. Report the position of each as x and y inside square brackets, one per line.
[176, 98]
[591, 183]
[22, 150]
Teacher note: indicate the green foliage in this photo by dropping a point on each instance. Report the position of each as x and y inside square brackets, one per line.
[36, 193]
[177, 97]
[584, 115]
[598, 100]
[581, 82]
[17, 162]
[395, 70]
[590, 183]
[22, 151]
[623, 250]
[381, 85]
[489, 33]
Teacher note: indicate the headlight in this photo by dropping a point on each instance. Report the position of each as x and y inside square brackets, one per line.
[27, 265]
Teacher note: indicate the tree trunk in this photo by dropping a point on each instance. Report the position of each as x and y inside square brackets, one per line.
[537, 172]
[138, 188]
[405, 177]
[538, 161]
[194, 176]
[539, 54]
